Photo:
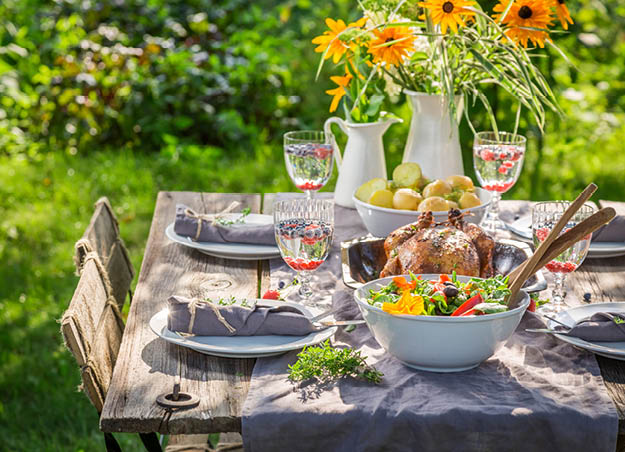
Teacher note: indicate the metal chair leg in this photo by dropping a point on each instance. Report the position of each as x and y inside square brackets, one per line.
[111, 443]
[150, 441]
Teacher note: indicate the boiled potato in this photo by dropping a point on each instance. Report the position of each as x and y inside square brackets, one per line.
[436, 188]
[406, 199]
[469, 200]
[382, 198]
[460, 183]
[407, 174]
[434, 203]
[365, 191]
[452, 204]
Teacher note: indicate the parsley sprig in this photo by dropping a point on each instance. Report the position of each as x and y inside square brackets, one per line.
[229, 301]
[240, 220]
[326, 363]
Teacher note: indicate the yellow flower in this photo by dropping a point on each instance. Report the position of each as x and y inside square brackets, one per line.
[339, 91]
[407, 304]
[448, 13]
[526, 13]
[392, 54]
[563, 13]
[331, 40]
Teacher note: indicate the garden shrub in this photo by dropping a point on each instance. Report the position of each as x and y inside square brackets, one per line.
[80, 74]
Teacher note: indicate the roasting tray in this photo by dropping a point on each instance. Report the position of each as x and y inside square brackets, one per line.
[363, 259]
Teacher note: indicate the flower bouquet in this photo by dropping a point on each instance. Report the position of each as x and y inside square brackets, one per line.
[443, 47]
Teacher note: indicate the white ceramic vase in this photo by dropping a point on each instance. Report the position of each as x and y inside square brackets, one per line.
[363, 158]
[433, 140]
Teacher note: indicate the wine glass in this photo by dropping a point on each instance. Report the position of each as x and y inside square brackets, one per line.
[304, 230]
[497, 159]
[545, 215]
[308, 157]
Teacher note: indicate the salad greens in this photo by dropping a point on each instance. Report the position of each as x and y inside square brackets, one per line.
[446, 296]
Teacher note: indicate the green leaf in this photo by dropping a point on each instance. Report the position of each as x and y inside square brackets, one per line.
[375, 102]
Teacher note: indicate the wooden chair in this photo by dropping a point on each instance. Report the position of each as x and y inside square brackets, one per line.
[93, 325]
[103, 238]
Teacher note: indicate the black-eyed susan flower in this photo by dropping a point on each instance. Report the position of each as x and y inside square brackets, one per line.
[331, 40]
[391, 44]
[562, 11]
[449, 13]
[339, 91]
[526, 20]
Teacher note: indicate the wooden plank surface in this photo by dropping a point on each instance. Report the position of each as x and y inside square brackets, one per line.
[147, 365]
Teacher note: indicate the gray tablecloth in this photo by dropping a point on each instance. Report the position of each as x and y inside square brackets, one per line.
[536, 393]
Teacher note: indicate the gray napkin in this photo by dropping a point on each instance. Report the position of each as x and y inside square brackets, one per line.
[187, 225]
[204, 318]
[612, 232]
[600, 327]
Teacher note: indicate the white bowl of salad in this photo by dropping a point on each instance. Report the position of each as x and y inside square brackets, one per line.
[440, 323]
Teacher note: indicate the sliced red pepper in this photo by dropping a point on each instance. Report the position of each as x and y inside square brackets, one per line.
[444, 278]
[532, 306]
[469, 312]
[469, 304]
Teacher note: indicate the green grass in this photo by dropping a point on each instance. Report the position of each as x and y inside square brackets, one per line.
[46, 203]
[45, 206]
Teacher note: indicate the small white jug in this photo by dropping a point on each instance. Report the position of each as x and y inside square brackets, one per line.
[363, 158]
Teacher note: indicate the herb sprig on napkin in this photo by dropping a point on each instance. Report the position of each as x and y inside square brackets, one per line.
[326, 363]
[240, 220]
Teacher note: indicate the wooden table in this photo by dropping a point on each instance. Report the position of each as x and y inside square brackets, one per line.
[146, 365]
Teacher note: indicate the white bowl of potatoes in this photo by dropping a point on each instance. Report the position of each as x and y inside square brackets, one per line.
[387, 205]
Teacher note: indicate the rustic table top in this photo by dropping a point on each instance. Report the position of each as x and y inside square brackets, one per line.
[146, 365]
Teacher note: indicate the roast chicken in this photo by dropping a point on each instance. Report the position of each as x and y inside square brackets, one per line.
[426, 247]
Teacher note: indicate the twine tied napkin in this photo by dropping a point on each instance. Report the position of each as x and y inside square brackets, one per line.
[242, 318]
[205, 228]
[600, 327]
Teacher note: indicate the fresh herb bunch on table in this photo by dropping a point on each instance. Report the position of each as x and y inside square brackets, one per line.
[326, 363]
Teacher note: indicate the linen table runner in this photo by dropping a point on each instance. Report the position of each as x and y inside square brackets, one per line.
[536, 393]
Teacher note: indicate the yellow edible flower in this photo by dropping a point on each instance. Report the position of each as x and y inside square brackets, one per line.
[407, 304]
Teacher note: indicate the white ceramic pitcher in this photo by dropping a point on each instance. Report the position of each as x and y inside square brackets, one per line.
[363, 158]
[433, 140]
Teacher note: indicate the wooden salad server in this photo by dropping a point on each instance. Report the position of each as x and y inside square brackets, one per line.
[529, 266]
[566, 240]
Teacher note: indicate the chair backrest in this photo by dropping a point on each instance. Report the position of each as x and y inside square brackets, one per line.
[92, 325]
[102, 237]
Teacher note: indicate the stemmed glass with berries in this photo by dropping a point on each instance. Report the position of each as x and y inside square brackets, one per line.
[497, 159]
[545, 215]
[304, 229]
[308, 158]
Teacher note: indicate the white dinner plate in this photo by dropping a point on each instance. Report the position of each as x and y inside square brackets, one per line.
[241, 251]
[523, 229]
[614, 350]
[242, 346]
